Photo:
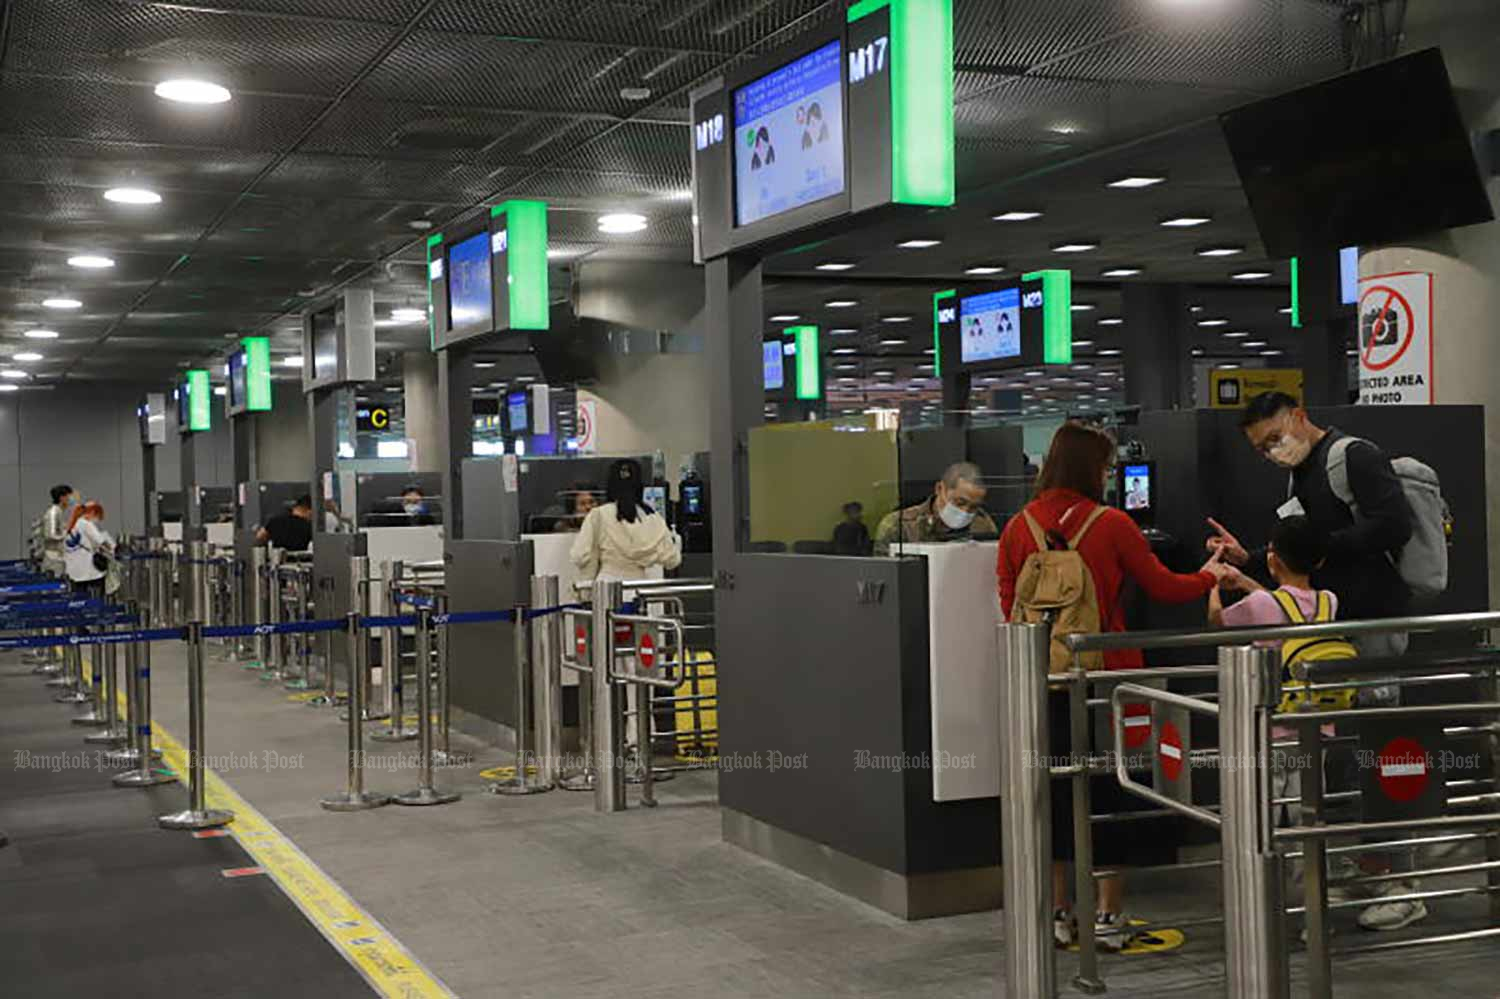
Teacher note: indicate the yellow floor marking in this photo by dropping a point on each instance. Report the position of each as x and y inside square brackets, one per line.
[387, 965]
[1149, 941]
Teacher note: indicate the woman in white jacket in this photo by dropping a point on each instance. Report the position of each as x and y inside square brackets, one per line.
[85, 547]
[624, 538]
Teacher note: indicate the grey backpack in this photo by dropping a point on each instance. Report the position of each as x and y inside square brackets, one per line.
[1423, 563]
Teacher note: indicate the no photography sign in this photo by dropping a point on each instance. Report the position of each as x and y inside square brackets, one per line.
[1395, 339]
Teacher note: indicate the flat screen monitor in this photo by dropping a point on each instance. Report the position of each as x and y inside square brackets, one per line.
[774, 367]
[183, 408]
[1370, 157]
[325, 343]
[237, 386]
[656, 498]
[470, 296]
[1349, 275]
[692, 501]
[990, 326]
[789, 136]
[516, 413]
[1135, 488]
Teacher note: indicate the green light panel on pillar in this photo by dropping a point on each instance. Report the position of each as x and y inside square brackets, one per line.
[257, 374]
[434, 242]
[1296, 295]
[526, 261]
[921, 54]
[809, 361]
[937, 337]
[200, 395]
[1057, 314]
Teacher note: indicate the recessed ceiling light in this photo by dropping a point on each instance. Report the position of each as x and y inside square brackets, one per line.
[420, 224]
[884, 373]
[1236, 334]
[635, 93]
[293, 361]
[1285, 311]
[484, 364]
[1251, 275]
[843, 350]
[27, 356]
[1253, 344]
[1111, 352]
[1074, 247]
[1186, 221]
[1111, 321]
[842, 331]
[1270, 353]
[10, 388]
[621, 222]
[1065, 128]
[40, 334]
[192, 92]
[1131, 183]
[1220, 251]
[895, 319]
[62, 303]
[1083, 343]
[90, 262]
[1082, 367]
[13, 373]
[893, 342]
[841, 303]
[919, 244]
[1227, 367]
[1016, 216]
[785, 317]
[1195, 308]
[132, 196]
[984, 269]
[1083, 306]
[408, 315]
[1121, 272]
[835, 265]
[1213, 322]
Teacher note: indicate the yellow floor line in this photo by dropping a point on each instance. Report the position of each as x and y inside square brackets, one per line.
[384, 962]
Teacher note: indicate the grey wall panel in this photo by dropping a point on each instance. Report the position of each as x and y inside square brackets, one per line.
[485, 575]
[74, 425]
[168, 458]
[15, 519]
[283, 449]
[10, 440]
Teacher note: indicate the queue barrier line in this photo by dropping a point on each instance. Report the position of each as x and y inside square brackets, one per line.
[101, 620]
[95, 638]
[381, 959]
[27, 589]
[45, 606]
[282, 628]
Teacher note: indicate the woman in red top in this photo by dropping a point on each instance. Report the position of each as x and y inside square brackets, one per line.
[1079, 463]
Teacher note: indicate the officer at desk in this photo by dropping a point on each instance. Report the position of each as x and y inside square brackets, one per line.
[954, 512]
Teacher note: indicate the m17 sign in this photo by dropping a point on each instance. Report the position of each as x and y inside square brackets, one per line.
[1395, 339]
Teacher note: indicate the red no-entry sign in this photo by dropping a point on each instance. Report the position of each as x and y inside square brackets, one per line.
[581, 641]
[1169, 748]
[645, 651]
[1402, 768]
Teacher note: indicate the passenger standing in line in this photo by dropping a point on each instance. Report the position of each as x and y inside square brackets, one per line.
[1068, 510]
[54, 530]
[623, 538]
[87, 550]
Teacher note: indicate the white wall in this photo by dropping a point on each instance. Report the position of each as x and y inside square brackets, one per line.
[654, 402]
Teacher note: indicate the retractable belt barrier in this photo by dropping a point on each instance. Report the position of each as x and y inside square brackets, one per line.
[29, 589]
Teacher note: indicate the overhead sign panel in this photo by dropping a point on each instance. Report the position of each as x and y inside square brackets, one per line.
[1023, 322]
[489, 275]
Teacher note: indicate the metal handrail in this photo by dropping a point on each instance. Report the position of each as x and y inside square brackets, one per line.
[704, 585]
[1187, 639]
[1122, 772]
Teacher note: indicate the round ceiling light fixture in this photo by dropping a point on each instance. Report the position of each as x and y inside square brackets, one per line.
[91, 262]
[41, 334]
[192, 92]
[621, 222]
[62, 303]
[27, 357]
[132, 196]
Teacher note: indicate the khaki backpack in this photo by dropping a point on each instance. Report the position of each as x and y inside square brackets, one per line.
[1056, 588]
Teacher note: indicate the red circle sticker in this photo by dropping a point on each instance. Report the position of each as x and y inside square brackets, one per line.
[645, 651]
[1387, 327]
[581, 641]
[1169, 748]
[1137, 722]
[1402, 769]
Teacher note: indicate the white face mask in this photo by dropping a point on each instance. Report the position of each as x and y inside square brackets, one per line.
[412, 509]
[1290, 452]
[955, 518]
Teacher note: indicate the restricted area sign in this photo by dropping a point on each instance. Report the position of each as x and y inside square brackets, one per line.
[645, 651]
[588, 426]
[1169, 748]
[1402, 769]
[1395, 339]
[1136, 721]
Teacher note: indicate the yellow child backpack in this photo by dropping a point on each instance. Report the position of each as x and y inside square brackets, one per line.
[1055, 587]
[1297, 652]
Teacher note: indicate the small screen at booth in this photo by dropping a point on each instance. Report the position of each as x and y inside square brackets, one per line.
[515, 405]
[692, 500]
[789, 136]
[775, 369]
[237, 386]
[1137, 487]
[469, 295]
[990, 326]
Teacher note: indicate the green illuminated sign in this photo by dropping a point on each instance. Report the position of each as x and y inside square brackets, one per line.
[434, 243]
[921, 65]
[937, 337]
[1057, 314]
[200, 395]
[1296, 295]
[809, 361]
[524, 243]
[257, 374]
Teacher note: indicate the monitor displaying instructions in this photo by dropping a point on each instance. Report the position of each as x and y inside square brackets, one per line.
[990, 326]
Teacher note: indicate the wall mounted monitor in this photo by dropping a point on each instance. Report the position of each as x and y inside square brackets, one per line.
[1022, 323]
[990, 326]
[1137, 488]
[151, 415]
[1325, 286]
[234, 371]
[471, 307]
[249, 377]
[792, 365]
[517, 412]
[1374, 156]
[772, 364]
[194, 402]
[338, 341]
[488, 274]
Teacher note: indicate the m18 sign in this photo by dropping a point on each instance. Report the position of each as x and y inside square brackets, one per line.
[1395, 339]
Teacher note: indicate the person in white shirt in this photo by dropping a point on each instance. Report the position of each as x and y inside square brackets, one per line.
[87, 549]
[54, 530]
[624, 538]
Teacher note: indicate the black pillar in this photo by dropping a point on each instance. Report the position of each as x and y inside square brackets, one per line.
[455, 385]
[148, 487]
[192, 502]
[733, 331]
[1157, 342]
[956, 386]
[1325, 365]
[323, 426]
[242, 452]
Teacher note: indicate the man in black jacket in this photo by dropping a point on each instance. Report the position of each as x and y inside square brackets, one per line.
[1359, 568]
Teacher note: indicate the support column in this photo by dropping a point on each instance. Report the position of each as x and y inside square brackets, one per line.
[1157, 339]
[423, 408]
[322, 426]
[455, 382]
[1325, 363]
[736, 394]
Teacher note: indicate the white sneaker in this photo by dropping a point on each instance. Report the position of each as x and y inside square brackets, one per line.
[1112, 931]
[1064, 929]
[1341, 867]
[1387, 916]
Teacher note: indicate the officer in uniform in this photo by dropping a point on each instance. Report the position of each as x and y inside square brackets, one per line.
[954, 512]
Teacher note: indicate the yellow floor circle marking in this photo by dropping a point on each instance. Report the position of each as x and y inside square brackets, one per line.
[504, 773]
[388, 966]
[1149, 941]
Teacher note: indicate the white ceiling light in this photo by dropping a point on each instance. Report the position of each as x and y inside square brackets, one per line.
[1270, 353]
[1251, 275]
[1213, 322]
[1083, 306]
[293, 361]
[41, 334]
[1186, 221]
[1083, 343]
[62, 303]
[132, 196]
[1016, 216]
[10, 388]
[895, 319]
[1111, 321]
[1286, 311]
[27, 357]
[843, 350]
[1074, 247]
[1112, 352]
[192, 92]
[919, 244]
[842, 331]
[1236, 334]
[1135, 182]
[884, 373]
[841, 303]
[90, 262]
[1253, 344]
[893, 342]
[621, 222]
[1231, 366]
[1220, 251]
[1121, 272]
[785, 318]
[408, 315]
[983, 270]
[835, 265]
[13, 373]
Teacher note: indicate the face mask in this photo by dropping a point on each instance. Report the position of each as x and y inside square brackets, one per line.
[412, 509]
[955, 518]
[1290, 452]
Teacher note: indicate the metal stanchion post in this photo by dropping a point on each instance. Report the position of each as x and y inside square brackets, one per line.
[74, 690]
[1314, 863]
[300, 677]
[272, 667]
[521, 783]
[113, 733]
[241, 648]
[1085, 891]
[1255, 952]
[443, 755]
[391, 667]
[546, 686]
[197, 815]
[425, 793]
[96, 716]
[145, 773]
[355, 798]
[195, 593]
[260, 645]
[609, 709]
[1025, 821]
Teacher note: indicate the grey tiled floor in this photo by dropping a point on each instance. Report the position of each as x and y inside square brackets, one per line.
[540, 897]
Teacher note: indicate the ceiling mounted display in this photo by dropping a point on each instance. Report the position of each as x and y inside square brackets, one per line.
[489, 275]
